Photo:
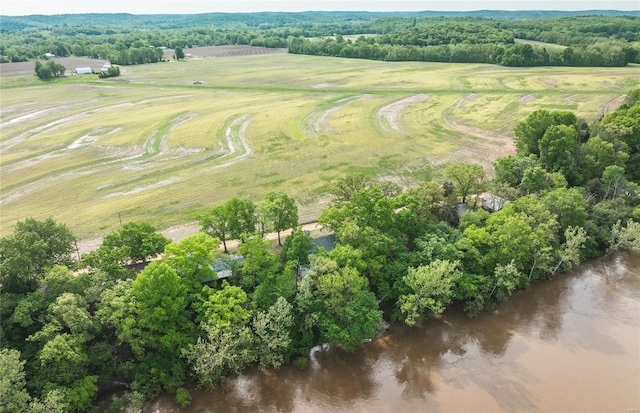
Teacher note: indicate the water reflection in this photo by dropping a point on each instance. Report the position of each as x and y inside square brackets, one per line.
[568, 344]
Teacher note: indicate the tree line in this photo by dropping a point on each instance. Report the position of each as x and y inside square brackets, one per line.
[590, 40]
[75, 327]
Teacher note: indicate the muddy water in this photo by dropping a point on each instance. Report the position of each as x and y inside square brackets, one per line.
[571, 344]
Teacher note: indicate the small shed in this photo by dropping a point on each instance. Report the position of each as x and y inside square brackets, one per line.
[49, 55]
[82, 71]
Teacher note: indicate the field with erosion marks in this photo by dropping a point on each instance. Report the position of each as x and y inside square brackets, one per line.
[166, 141]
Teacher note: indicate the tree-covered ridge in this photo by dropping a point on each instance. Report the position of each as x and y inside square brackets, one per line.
[590, 41]
[73, 328]
[174, 21]
[593, 40]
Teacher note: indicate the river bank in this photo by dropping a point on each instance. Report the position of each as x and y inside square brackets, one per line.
[571, 344]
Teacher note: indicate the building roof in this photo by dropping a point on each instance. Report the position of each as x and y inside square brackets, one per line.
[493, 203]
[462, 208]
[328, 242]
[222, 267]
[83, 71]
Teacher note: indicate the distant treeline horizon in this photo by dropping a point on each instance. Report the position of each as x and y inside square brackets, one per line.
[195, 19]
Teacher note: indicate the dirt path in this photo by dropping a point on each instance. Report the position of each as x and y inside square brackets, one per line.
[488, 145]
[612, 105]
[177, 233]
[317, 121]
[159, 147]
[71, 118]
[388, 116]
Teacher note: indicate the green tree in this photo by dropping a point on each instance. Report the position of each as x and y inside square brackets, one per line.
[359, 321]
[347, 186]
[534, 180]
[274, 285]
[428, 196]
[226, 307]
[568, 205]
[347, 312]
[625, 238]
[614, 182]
[259, 262]
[272, 333]
[141, 239]
[179, 53]
[33, 248]
[569, 252]
[558, 150]
[242, 218]
[506, 279]
[530, 131]
[53, 402]
[216, 224]
[467, 177]
[191, 258]
[112, 261]
[64, 365]
[13, 393]
[431, 289]
[220, 352]
[297, 247]
[151, 317]
[597, 154]
[49, 70]
[280, 211]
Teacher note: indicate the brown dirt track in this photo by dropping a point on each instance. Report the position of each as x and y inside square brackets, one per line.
[225, 51]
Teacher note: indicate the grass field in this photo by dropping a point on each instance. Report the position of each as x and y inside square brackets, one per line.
[153, 145]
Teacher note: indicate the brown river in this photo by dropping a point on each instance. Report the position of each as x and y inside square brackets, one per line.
[571, 344]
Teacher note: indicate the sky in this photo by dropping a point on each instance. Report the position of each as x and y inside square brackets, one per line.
[26, 7]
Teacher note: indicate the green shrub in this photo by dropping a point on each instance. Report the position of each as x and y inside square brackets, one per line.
[183, 397]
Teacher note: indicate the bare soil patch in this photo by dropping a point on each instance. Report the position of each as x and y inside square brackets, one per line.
[318, 120]
[488, 145]
[225, 51]
[70, 63]
[611, 105]
[389, 116]
[526, 99]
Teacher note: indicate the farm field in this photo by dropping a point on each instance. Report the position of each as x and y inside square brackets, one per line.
[164, 142]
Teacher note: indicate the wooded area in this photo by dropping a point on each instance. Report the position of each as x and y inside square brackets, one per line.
[590, 40]
[74, 329]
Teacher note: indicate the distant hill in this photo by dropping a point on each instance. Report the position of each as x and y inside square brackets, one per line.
[176, 21]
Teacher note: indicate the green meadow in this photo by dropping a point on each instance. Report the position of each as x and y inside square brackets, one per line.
[164, 142]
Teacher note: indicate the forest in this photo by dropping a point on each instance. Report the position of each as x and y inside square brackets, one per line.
[605, 39]
[78, 327]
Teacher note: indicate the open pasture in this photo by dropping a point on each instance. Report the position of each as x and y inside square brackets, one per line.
[164, 142]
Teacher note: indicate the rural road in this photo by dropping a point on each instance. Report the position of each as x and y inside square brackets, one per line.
[178, 232]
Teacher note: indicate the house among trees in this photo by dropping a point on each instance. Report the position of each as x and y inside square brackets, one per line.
[223, 268]
[82, 71]
[327, 242]
[49, 55]
[493, 203]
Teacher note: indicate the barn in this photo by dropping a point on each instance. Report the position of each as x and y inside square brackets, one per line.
[82, 71]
